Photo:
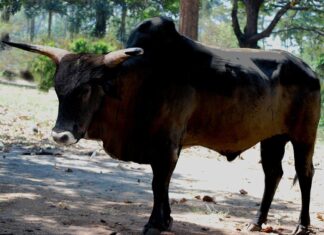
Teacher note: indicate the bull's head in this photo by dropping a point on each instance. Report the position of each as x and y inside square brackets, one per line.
[80, 81]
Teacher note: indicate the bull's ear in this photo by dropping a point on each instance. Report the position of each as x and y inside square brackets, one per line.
[114, 58]
[55, 54]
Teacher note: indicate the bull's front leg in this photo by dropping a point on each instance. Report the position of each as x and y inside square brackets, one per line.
[160, 219]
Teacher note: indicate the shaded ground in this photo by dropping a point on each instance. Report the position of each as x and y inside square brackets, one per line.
[47, 189]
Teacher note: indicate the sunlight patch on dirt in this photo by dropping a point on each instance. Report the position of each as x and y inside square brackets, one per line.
[33, 218]
[6, 197]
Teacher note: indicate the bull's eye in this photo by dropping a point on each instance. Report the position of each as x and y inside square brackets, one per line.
[85, 92]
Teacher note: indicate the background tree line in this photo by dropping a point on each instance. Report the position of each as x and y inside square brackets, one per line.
[298, 25]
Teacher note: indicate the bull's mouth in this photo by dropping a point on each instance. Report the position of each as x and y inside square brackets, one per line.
[64, 138]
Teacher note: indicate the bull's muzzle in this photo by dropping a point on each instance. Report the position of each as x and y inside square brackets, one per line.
[65, 137]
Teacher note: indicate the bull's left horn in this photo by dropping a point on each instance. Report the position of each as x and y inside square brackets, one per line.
[114, 58]
[55, 54]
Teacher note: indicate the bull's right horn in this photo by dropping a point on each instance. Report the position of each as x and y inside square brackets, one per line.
[55, 54]
[114, 58]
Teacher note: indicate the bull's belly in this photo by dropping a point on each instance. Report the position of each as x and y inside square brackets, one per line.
[232, 139]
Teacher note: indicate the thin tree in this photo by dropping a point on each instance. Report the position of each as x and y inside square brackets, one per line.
[102, 13]
[250, 36]
[52, 7]
[189, 14]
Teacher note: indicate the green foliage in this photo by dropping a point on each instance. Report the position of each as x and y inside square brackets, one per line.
[319, 66]
[219, 35]
[14, 5]
[215, 26]
[80, 46]
[83, 45]
[43, 69]
[99, 48]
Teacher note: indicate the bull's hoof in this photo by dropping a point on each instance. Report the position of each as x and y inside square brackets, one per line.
[304, 230]
[150, 229]
[254, 227]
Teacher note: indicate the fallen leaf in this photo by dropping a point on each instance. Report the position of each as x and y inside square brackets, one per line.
[103, 221]
[24, 117]
[208, 199]
[268, 229]
[198, 197]
[320, 217]
[173, 202]
[66, 222]
[63, 205]
[183, 200]
[282, 231]
[243, 192]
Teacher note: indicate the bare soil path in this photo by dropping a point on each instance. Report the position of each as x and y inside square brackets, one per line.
[48, 189]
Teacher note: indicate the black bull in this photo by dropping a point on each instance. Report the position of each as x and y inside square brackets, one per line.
[179, 93]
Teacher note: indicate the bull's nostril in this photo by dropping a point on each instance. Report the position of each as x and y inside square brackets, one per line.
[60, 137]
[64, 138]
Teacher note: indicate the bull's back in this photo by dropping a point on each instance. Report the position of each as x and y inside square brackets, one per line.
[280, 95]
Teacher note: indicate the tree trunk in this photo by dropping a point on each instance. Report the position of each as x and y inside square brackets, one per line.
[246, 43]
[252, 9]
[250, 35]
[189, 13]
[122, 32]
[4, 37]
[101, 17]
[32, 29]
[49, 29]
[5, 16]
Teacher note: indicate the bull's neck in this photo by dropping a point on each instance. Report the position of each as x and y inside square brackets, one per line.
[113, 121]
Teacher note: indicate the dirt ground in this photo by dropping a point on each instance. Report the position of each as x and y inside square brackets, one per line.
[48, 189]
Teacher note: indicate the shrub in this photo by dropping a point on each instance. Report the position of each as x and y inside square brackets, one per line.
[82, 45]
[44, 70]
[99, 48]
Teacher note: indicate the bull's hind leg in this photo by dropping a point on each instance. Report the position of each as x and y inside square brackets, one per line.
[304, 168]
[272, 152]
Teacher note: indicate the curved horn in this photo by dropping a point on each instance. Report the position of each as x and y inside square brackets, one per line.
[55, 54]
[114, 58]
